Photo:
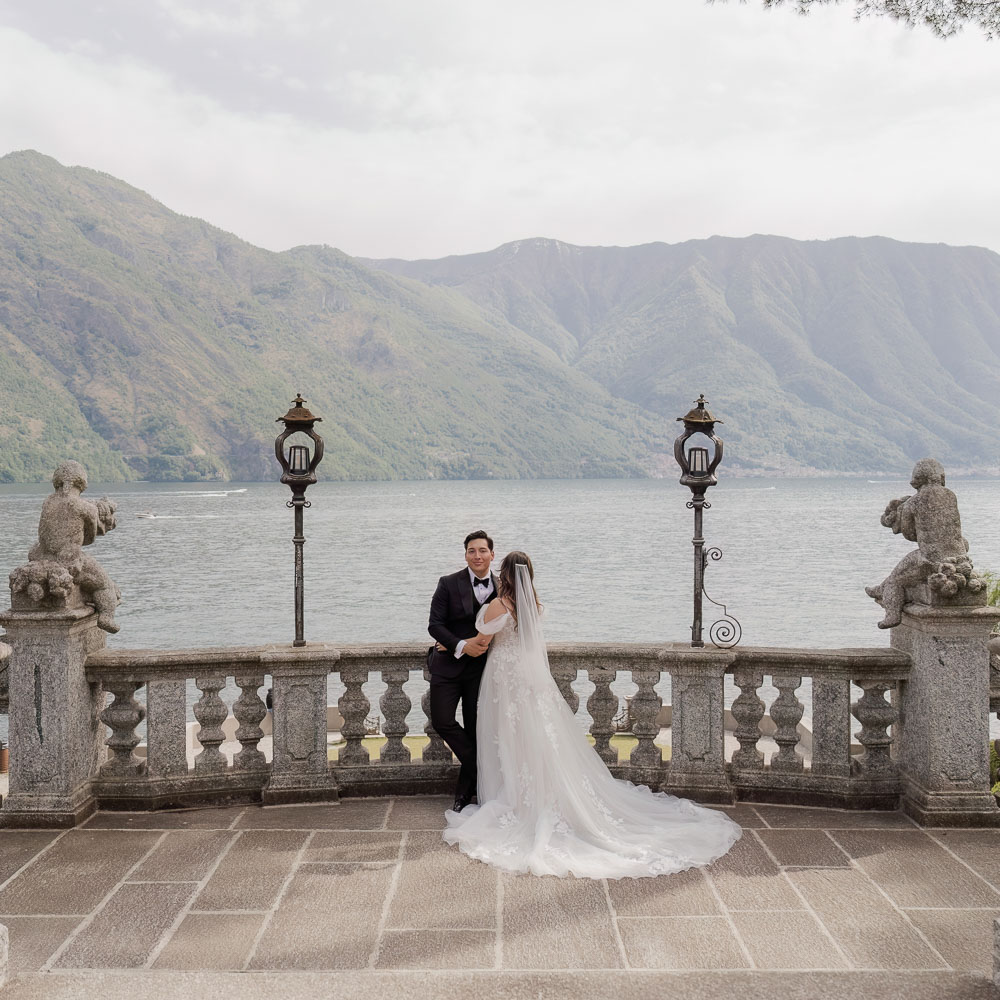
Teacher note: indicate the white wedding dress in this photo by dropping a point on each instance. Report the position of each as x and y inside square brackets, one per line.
[548, 804]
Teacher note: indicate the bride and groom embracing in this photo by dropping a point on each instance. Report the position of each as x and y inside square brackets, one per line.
[545, 801]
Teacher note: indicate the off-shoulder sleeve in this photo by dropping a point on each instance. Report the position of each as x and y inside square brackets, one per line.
[490, 627]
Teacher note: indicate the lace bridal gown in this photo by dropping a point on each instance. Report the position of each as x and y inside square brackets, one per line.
[548, 804]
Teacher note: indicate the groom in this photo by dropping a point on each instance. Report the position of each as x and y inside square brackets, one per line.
[456, 662]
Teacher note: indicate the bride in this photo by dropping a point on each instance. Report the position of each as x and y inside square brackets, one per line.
[548, 805]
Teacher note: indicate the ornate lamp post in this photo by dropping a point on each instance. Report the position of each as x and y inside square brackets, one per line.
[298, 449]
[698, 452]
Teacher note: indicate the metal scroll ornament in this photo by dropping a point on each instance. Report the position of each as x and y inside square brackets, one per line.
[726, 631]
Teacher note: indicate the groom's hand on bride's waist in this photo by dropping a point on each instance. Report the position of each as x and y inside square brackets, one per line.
[477, 645]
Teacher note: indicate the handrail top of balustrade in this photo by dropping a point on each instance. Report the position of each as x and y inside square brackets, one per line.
[212, 657]
[802, 660]
[588, 655]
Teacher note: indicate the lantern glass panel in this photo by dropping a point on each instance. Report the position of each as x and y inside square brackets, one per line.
[299, 449]
[699, 451]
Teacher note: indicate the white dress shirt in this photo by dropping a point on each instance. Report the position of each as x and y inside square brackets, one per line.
[481, 594]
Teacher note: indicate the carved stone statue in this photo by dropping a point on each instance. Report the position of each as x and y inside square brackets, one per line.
[58, 573]
[939, 571]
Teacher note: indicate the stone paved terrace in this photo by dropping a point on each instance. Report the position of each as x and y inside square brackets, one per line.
[364, 898]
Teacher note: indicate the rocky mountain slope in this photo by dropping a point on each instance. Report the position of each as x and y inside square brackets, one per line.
[152, 345]
[849, 354]
[155, 346]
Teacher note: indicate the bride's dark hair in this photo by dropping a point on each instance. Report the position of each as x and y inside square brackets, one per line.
[507, 590]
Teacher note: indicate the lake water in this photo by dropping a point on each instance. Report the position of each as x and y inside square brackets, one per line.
[613, 559]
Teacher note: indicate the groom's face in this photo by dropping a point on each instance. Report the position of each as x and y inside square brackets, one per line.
[479, 557]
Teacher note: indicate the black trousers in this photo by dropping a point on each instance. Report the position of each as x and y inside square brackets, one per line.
[446, 693]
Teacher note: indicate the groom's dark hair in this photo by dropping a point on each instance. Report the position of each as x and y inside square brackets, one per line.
[479, 534]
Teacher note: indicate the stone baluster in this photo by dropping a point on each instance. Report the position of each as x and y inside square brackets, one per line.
[564, 677]
[786, 712]
[831, 721]
[249, 710]
[645, 708]
[121, 717]
[437, 751]
[876, 715]
[166, 728]
[395, 704]
[210, 711]
[602, 705]
[354, 707]
[748, 710]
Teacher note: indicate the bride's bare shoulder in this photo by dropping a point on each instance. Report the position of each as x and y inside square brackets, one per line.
[495, 609]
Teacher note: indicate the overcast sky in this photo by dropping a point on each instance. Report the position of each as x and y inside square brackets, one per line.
[421, 128]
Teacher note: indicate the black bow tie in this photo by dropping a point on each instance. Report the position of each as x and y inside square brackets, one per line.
[483, 583]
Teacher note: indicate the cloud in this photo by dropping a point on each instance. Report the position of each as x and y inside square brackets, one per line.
[400, 129]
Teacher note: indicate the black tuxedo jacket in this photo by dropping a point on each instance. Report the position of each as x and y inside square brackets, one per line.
[453, 617]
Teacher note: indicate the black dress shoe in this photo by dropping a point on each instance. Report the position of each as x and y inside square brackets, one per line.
[461, 801]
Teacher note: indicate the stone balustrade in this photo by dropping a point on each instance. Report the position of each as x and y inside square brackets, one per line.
[696, 762]
[904, 725]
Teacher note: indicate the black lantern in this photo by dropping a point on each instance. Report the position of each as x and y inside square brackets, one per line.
[298, 449]
[698, 452]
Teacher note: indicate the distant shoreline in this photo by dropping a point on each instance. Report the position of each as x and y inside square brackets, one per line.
[736, 473]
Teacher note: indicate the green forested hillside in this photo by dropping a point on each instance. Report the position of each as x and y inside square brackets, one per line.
[154, 346]
[849, 354]
[151, 345]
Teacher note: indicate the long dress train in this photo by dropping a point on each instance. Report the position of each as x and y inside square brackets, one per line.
[548, 804]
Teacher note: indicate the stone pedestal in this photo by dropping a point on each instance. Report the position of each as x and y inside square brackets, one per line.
[697, 736]
[56, 738]
[300, 769]
[943, 745]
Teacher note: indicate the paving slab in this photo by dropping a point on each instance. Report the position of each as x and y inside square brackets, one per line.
[804, 848]
[166, 819]
[124, 932]
[79, 871]
[254, 869]
[350, 845]
[744, 814]
[419, 813]
[747, 879]
[686, 894]
[806, 817]
[963, 937]
[914, 870]
[787, 939]
[421, 985]
[437, 949]
[211, 941]
[553, 923]
[34, 940]
[979, 849]
[183, 856]
[439, 886]
[867, 927]
[681, 943]
[328, 919]
[350, 814]
[18, 847]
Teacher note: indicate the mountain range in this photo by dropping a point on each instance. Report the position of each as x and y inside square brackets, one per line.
[152, 345]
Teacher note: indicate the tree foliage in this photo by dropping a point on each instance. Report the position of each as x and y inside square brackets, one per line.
[943, 17]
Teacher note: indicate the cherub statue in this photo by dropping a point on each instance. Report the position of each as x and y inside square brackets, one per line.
[931, 519]
[57, 563]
